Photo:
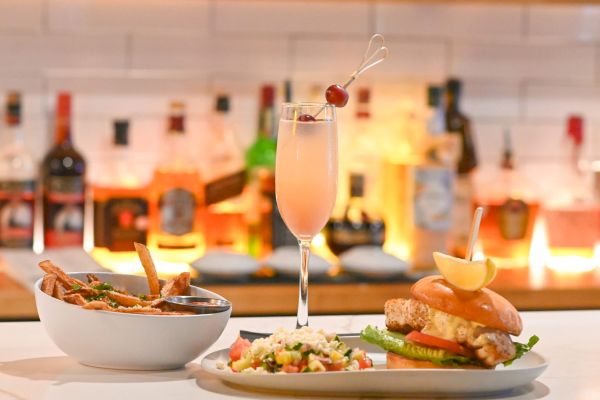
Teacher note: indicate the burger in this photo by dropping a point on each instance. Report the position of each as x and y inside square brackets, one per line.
[442, 326]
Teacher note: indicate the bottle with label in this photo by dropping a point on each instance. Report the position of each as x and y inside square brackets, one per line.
[510, 205]
[177, 192]
[457, 122]
[361, 222]
[227, 217]
[17, 182]
[433, 185]
[572, 214]
[120, 204]
[63, 180]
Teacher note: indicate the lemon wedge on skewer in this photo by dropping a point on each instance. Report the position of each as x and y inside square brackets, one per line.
[465, 275]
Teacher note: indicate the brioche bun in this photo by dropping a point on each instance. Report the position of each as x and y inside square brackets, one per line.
[394, 361]
[483, 306]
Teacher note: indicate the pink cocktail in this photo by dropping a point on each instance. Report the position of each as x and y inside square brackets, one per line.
[306, 178]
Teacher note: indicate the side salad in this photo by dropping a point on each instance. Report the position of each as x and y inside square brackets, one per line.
[300, 350]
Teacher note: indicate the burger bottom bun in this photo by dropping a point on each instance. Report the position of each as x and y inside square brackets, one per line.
[394, 361]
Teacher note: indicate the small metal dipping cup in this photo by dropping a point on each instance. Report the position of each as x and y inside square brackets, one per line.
[198, 305]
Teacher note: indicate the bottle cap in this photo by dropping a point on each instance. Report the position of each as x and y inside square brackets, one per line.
[575, 129]
[287, 91]
[13, 108]
[121, 132]
[268, 95]
[364, 95]
[454, 85]
[222, 103]
[63, 105]
[434, 95]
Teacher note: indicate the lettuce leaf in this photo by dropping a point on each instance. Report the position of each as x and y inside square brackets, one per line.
[395, 342]
[522, 348]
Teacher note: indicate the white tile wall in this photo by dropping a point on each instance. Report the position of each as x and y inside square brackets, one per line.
[556, 102]
[525, 67]
[37, 53]
[564, 22]
[516, 62]
[297, 17]
[21, 15]
[471, 21]
[183, 16]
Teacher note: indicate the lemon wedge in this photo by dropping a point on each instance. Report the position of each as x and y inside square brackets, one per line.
[465, 275]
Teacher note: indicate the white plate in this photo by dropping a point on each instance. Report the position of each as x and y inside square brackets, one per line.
[381, 381]
[285, 260]
[372, 261]
[225, 264]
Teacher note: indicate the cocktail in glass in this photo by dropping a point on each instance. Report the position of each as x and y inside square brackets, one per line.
[306, 178]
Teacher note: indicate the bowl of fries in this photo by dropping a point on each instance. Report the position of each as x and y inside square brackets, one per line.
[123, 321]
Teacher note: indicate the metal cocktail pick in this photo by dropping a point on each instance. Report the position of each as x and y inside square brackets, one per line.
[376, 52]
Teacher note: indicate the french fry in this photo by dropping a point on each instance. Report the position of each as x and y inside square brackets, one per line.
[75, 298]
[127, 300]
[59, 291]
[148, 265]
[84, 291]
[97, 305]
[178, 286]
[92, 278]
[48, 284]
[67, 281]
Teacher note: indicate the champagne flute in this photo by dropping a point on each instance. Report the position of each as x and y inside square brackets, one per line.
[306, 179]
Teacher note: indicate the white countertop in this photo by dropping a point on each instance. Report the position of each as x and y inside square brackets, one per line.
[32, 367]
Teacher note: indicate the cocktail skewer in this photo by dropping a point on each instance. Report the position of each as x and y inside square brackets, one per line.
[473, 233]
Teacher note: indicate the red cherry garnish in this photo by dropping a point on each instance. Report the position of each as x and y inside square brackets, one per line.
[336, 95]
[306, 118]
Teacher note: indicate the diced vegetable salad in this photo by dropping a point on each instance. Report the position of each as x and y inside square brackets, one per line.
[300, 350]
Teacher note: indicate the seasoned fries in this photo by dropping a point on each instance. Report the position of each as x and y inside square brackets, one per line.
[148, 264]
[102, 296]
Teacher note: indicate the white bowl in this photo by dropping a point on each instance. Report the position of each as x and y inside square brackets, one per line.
[128, 341]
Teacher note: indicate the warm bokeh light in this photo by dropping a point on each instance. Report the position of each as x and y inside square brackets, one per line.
[127, 262]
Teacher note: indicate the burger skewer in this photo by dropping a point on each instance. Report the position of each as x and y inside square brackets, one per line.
[473, 233]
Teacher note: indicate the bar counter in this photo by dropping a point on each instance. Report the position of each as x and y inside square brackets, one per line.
[32, 367]
[526, 289]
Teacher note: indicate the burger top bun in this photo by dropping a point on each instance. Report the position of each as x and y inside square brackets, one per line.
[483, 306]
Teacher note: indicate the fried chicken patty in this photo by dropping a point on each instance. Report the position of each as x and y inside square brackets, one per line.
[490, 346]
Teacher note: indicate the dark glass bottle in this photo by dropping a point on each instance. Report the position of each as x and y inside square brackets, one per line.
[63, 180]
[457, 122]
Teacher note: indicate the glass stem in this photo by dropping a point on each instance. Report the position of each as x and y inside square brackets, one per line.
[303, 287]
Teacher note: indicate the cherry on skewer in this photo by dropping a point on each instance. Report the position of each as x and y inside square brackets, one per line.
[336, 95]
[306, 118]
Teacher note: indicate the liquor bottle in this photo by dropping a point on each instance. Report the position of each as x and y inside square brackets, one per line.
[457, 122]
[63, 180]
[120, 204]
[433, 185]
[260, 164]
[572, 215]
[17, 182]
[510, 205]
[177, 192]
[225, 217]
[361, 222]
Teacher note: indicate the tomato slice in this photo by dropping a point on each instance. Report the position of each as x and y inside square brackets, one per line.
[238, 347]
[434, 341]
